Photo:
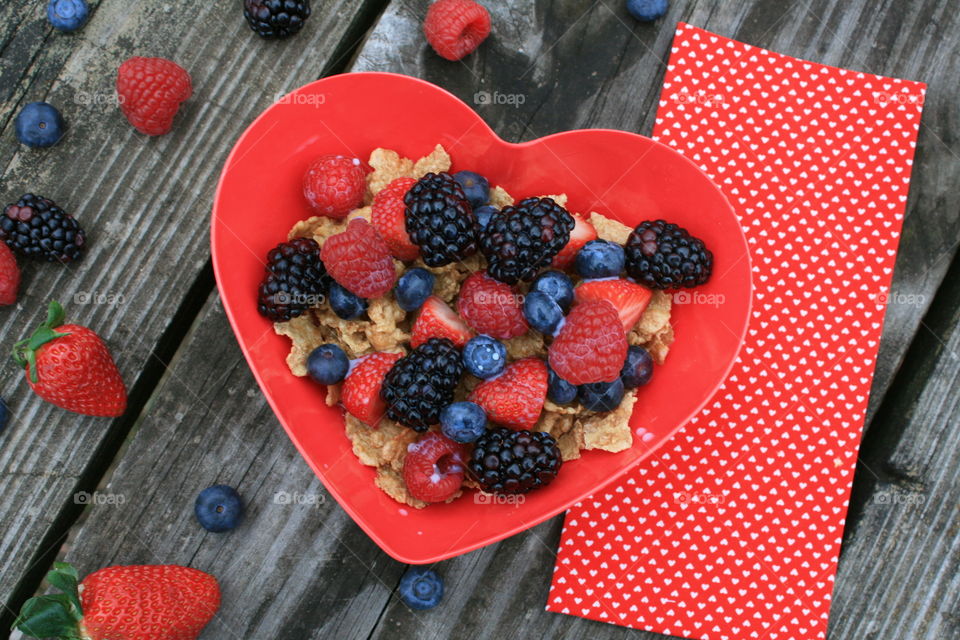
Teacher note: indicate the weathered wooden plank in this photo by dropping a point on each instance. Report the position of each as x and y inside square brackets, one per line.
[575, 64]
[144, 202]
[297, 567]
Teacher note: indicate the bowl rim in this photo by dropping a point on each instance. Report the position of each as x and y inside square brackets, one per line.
[357, 516]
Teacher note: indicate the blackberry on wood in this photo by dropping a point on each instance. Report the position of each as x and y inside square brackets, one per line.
[276, 18]
[37, 228]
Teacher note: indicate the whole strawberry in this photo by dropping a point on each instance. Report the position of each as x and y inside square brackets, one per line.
[138, 602]
[9, 276]
[69, 366]
[150, 91]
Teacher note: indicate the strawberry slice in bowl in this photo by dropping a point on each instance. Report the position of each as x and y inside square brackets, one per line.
[629, 299]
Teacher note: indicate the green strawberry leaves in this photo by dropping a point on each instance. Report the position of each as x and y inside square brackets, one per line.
[25, 351]
[54, 615]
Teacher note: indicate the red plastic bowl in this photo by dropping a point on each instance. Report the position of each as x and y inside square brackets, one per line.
[618, 174]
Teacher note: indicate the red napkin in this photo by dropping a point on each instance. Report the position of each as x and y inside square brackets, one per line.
[732, 529]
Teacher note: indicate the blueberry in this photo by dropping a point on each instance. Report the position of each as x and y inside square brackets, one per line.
[475, 186]
[39, 125]
[4, 415]
[421, 588]
[413, 288]
[557, 285]
[647, 10]
[484, 214]
[601, 396]
[463, 421]
[328, 364]
[218, 508]
[67, 15]
[637, 369]
[484, 357]
[542, 312]
[600, 259]
[559, 390]
[345, 304]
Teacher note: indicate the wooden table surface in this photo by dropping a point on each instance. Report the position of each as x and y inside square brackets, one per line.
[196, 417]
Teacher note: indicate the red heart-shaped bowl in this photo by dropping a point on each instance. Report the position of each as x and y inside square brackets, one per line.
[618, 174]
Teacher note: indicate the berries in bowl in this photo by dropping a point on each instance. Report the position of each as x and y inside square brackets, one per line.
[446, 343]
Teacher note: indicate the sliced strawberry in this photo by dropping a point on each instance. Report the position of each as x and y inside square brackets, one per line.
[629, 298]
[514, 398]
[438, 320]
[388, 215]
[582, 233]
[361, 390]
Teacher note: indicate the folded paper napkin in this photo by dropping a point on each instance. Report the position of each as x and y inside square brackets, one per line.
[732, 529]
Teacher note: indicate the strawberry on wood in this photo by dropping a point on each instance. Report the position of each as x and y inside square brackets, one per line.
[138, 602]
[70, 366]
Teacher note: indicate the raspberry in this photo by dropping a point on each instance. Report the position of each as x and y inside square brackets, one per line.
[389, 217]
[359, 260]
[490, 307]
[591, 346]
[454, 28]
[334, 185]
[9, 276]
[150, 91]
[433, 467]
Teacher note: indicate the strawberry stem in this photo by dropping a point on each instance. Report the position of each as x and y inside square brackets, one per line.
[55, 615]
[25, 351]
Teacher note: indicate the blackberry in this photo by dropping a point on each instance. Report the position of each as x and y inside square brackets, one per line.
[440, 221]
[295, 280]
[37, 228]
[276, 18]
[520, 240]
[661, 255]
[422, 383]
[508, 461]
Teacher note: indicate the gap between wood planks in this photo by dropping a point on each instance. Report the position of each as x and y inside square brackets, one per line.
[160, 356]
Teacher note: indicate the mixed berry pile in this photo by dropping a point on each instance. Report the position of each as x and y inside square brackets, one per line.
[543, 269]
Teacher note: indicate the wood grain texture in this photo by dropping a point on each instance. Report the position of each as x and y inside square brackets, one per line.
[144, 203]
[305, 571]
[297, 567]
